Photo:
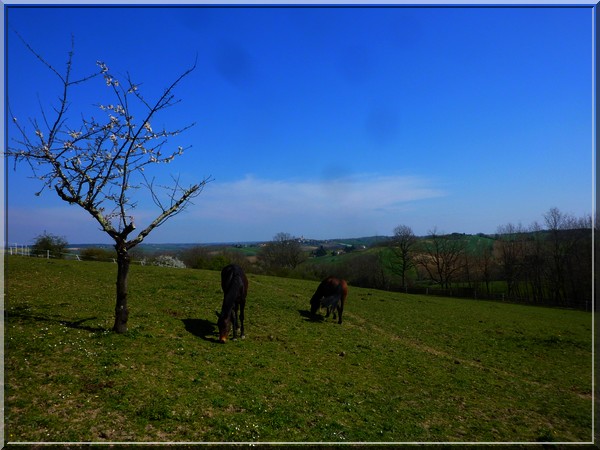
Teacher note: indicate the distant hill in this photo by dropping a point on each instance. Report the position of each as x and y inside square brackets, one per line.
[174, 248]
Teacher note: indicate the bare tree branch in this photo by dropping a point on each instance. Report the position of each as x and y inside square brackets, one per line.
[97, 163]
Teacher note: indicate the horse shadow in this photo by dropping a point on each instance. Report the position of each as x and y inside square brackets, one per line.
[308, 317]
[201, 328]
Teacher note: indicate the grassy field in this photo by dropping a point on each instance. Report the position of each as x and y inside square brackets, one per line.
[401, 368]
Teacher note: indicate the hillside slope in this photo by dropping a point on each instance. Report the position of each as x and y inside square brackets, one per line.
[400, 368]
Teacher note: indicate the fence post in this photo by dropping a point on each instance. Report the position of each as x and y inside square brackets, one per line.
[47, 254]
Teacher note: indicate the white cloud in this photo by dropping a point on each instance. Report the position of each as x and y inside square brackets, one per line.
[313, 208]
[254, 209]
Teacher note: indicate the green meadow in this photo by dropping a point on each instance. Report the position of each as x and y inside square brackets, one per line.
[401, 368]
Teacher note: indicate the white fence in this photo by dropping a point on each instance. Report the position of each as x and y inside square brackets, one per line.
[25, 250]
[17, 249]
[159, 260]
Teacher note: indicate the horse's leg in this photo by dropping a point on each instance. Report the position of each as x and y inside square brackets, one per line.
[235, 321]
[242, 306]
[340, 309]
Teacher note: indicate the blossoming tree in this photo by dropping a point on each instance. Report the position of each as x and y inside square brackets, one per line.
[97, 163]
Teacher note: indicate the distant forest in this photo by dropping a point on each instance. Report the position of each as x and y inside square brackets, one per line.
[548, 263]
[543, 264]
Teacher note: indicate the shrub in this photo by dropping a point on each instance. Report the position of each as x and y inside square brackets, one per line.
[96, 254]
[45, 243]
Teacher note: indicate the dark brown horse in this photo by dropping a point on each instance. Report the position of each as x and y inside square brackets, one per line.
[331, 294]
[235, 288]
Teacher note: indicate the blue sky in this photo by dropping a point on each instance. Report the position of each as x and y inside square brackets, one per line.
[329, 122]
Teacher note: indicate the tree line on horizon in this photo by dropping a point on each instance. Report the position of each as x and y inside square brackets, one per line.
[545, 263]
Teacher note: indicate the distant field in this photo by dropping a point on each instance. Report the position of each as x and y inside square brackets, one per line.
[401, 368]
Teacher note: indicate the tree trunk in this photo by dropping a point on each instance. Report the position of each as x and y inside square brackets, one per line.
[121, 311]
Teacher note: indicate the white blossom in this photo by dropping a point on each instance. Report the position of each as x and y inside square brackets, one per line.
[102, 66]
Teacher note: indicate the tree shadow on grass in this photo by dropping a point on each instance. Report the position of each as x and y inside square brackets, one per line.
[78, 324]
[23, 313]
[202, 328]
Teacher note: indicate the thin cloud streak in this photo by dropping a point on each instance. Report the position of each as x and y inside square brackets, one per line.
[359, 193]
[254, 209]
[315, 208]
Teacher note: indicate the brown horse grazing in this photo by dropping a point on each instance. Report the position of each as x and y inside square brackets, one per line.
[235, 287]
[331, 294]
